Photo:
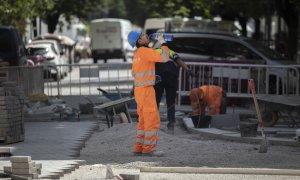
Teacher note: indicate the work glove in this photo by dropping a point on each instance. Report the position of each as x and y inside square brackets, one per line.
[175, 57]
[158, 50]
[157, 79]
[190, 73]
[172, 54]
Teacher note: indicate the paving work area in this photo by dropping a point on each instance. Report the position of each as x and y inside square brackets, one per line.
[57, 144]
[181, 150]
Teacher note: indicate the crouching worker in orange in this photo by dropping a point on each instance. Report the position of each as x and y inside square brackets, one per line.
[211, 96]
[143, 71]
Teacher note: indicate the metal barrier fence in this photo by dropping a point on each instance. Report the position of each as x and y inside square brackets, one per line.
[86, 78]
[233, 78]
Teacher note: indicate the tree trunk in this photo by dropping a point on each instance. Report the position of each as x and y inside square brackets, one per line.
[52, 21]
[298, 49]
[257, 33]
[290, 15]
[243, 23]
[34, 27]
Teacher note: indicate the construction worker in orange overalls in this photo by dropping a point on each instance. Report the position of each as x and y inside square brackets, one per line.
[207, 95]
[143, 71]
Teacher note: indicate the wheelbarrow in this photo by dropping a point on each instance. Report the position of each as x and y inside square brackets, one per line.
[110, 108]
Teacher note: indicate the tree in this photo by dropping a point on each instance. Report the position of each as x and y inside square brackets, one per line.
[289, 11]
[139, 10]
[69, 8]
[17, 12]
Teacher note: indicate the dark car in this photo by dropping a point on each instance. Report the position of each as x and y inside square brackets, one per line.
[219, 48]
[12, 49]
[230, 49]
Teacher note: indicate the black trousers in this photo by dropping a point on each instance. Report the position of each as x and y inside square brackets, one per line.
[169, 84]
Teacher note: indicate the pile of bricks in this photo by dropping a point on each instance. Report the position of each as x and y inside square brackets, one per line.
[23, 168]
[11, 113]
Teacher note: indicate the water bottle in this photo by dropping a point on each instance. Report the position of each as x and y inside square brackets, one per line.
[167, 37]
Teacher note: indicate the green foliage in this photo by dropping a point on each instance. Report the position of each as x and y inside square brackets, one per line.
[139, 10]
[16, 12]
[78, 8]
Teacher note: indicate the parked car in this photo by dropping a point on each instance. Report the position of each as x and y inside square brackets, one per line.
[57, 48]
[12, 49]
[65, 43]
[53, 59]
[230, 49]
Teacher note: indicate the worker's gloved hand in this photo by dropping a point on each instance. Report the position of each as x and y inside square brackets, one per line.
[171, 54]
[190, 73]
[175, 56]
[158, 50]
[157, 79]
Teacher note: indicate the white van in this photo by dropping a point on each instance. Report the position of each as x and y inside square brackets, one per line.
[109, 38]
[152, 25]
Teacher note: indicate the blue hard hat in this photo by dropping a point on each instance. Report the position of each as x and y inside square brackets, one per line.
[133, 36]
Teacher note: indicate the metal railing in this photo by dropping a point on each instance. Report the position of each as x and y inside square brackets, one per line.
[233, 78]
[86, 78]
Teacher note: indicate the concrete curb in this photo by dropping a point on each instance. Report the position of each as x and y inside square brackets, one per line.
[235, 136]
[196, 170]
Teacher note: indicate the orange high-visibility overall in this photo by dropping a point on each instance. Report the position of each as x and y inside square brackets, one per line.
[143, 71]
[212, 97]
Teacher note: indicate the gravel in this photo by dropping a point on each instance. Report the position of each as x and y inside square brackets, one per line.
[114, 146]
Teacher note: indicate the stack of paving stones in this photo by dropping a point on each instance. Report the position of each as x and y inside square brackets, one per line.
[23, 168]
[11, 113]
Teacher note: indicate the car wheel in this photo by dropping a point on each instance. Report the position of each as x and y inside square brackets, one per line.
[123, 117]
[269, 118]
[56, 77]
[95, 59]
[105, 60]
[77, 58]
[125, 58]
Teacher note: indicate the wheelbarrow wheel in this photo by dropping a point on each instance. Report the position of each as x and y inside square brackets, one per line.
[123, 118]
[269, 118]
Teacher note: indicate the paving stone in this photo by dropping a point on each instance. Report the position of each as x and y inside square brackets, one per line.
[5, 150]
[23, 165]
[18, 177]
[7, 169]
[22, 171]
[20, 159]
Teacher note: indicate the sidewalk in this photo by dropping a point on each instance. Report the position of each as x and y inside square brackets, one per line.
[55, 144]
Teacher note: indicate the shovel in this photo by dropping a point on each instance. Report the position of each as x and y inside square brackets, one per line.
[264, 143]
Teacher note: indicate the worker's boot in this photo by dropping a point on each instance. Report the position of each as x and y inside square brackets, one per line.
[154, 154]
[171, 127]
